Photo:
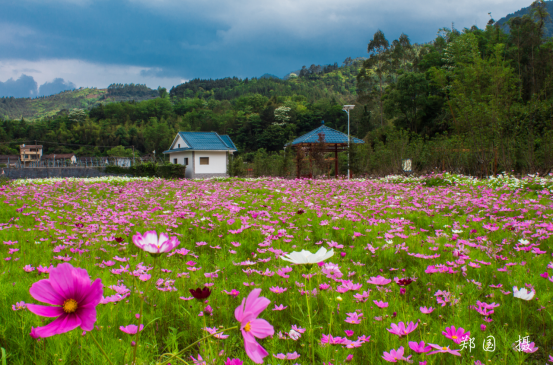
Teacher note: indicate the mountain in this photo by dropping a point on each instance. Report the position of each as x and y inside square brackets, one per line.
[82, 98]
[269, 76]
[503, 22]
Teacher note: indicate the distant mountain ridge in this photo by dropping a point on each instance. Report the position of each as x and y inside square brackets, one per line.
[503, 22]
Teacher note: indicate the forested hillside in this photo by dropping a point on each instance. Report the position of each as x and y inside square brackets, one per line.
[477, 101]
[83, 98]
[504, 23]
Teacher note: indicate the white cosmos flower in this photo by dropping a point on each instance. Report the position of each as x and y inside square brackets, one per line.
[523, 293]
[307, 257]
[523, 241]
[294, 335]
[457, 231]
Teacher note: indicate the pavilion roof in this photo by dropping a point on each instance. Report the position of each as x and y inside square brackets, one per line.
[331, 136]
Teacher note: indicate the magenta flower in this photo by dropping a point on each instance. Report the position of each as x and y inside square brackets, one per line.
[279, 308]
[131, 329]
[419, 347]
[252, 327]
[349, 333]
[149, 242]
[381, 304]
[75, 298]
[234, 361]
[439, 349]
[379, 281]
[425, 310]
[395, 355]
[457, 335]
[354, 318]
[401, 330]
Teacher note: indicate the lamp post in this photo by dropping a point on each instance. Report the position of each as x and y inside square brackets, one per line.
[347, 109]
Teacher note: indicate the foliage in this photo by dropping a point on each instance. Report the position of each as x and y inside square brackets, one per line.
[150, 170]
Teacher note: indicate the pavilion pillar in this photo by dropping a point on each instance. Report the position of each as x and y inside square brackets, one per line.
[310, 161]
[336, 162]
[297, 163]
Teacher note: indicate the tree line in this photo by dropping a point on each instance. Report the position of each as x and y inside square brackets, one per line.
[475, 101]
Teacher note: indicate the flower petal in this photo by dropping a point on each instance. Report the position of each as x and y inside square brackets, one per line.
[64, 323]
[44, 292]
[47, 311]
[260, 328]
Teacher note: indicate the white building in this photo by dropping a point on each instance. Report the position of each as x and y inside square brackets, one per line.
[205, 154]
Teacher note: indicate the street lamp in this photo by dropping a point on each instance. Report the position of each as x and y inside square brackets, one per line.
[347, 109]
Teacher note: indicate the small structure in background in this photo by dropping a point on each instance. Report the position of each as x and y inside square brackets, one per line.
[30, 154]
[70, 158]
[407, 165]
[205, 154]
[124, 162]
[313, 145]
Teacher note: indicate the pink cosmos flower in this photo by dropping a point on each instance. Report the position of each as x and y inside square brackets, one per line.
[457, 335]
[379, 281]
[234, 361]
[279, 308]
[381, 304]
[419, 347]
[439, 349]
[150, 242]
[395, 355]
[354, 318]
[401, 330]
[292, 356]
[426, 310]
[19, 306]
[529, 347]
[131, 329]
[349, 333]
[75, 298]
[252, 327]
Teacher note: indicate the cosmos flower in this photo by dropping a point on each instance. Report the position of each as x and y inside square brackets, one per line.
[379, 281]
[523, 293]
[200, 294]
[150, 242]
[439, 349]
[401, 329]
[234, 361]
[307, 257]
[419, 347]
[252, 327]
[381, 304]
[395, 355]
[74, 297]
[131, 329]
[457, 335]
[426, 310]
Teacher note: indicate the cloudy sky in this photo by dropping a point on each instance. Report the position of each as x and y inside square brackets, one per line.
[51, 45]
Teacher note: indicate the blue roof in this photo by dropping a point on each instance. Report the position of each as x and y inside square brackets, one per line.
[331, 137]
[228, 141]
[204, 141]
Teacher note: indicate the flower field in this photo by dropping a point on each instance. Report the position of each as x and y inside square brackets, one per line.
[440, 270]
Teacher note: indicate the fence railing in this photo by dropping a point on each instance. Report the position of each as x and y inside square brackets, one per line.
[95, 162]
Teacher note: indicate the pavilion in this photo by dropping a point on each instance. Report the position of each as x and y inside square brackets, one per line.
[323, 139]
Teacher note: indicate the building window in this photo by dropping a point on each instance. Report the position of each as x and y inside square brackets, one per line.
[175, 161]
[179, 145]
[204, 161]
[186, 161]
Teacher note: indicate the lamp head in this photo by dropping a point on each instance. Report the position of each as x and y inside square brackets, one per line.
[347, 107]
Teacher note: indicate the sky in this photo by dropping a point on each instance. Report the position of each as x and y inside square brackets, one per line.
[47, 46]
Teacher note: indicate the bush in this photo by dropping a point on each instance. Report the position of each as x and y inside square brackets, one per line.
[149, 170]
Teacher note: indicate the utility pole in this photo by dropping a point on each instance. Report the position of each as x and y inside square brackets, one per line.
[347, 109]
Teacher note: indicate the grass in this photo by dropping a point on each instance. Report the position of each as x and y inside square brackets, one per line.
[42, 215]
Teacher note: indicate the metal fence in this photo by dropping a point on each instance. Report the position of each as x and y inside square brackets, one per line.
[93, 162]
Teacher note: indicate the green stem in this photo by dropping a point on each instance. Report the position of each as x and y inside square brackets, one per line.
[141, 309]
[100, 347]
[310, 318]
[198, 341]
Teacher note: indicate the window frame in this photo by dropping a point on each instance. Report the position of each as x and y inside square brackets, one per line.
[207, 162]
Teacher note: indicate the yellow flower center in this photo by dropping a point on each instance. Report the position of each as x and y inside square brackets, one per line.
[70, 306]
[247, 327]
[444, 348]
[454, 337]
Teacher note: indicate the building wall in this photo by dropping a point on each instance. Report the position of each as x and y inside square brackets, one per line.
[178, 142]
[180, 156]
[218, 162]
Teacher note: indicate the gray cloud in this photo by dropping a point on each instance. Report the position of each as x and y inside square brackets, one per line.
[24, 87]
[54, 87]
